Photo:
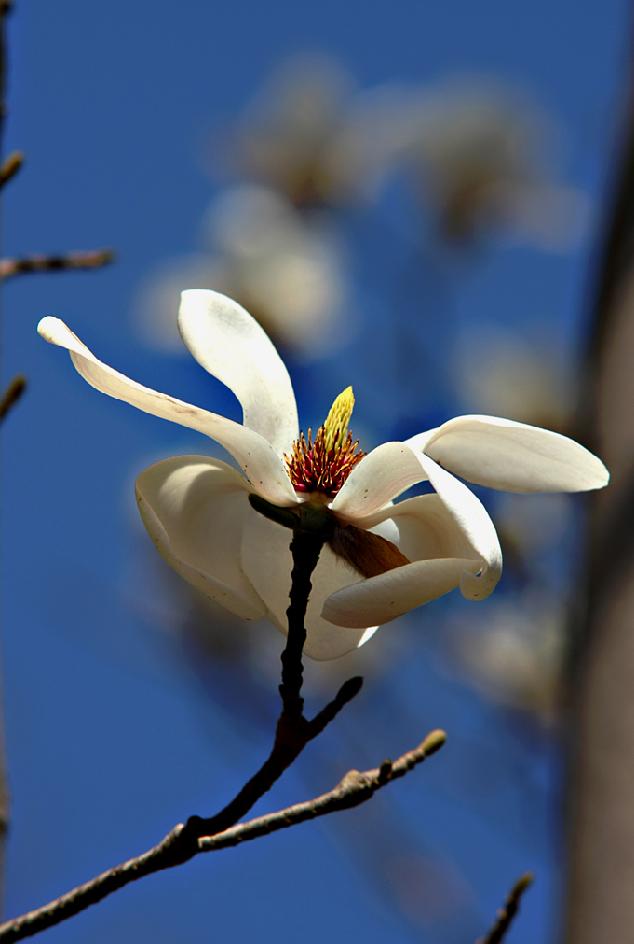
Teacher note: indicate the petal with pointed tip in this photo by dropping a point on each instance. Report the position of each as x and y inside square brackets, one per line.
[513, 457]
[231, 345]
[259, 461]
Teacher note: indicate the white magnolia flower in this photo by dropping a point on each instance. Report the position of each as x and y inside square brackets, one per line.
[383, 559]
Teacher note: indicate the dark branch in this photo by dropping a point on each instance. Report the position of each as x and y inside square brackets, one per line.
[506, 915]
[10, 167]
[12, 394]
[305, 550]
[92, 259]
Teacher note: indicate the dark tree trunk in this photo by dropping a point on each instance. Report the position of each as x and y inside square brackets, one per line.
[600, 808]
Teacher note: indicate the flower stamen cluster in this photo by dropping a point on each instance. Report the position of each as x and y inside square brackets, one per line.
[324, 463]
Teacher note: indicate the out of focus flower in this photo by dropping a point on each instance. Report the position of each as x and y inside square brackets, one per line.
[501, 372]
[310, 136]
[516, 659]
[381, 560]
[287, 272]
[481, 158]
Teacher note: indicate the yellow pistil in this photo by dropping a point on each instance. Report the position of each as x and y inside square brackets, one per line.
[336, 424]
[321, 465]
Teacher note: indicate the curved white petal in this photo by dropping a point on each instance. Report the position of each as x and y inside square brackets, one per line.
[231, 345]
[514, 457]
[444, 554]
[194, 509]
[259, 461]
[380, 476]
[427, 529]
[394, 593]
[454, 523]
[471, 518]
[266, 560]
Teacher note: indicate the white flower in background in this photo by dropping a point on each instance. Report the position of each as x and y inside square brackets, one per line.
[311, 136]
[198, 513]
[517, 657]
[482, 155]
[499, 371]
[289, 274]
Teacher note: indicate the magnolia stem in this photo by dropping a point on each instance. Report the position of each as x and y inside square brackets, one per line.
[305, 550]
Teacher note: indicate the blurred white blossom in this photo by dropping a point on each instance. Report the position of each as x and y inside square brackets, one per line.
[515, 655]
[313, 136]
[483, 158]
[289, 272]
[527, 377]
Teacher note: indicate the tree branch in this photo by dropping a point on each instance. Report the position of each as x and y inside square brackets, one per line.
[91, 259]
[12, 394]
[10, 167]
[356, 788]
[506, 915]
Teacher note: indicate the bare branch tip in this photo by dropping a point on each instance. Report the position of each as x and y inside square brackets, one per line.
[10, 167]
[507, 914]
[433, 742]
[12, 394]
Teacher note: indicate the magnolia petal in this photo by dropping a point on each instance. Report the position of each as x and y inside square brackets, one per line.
[259, 461]
[267, 562]
[194, 509]
[428, 530]
[472, 520]
[513, 457]
[231, 345]
[394, 593]
[452, 523]
[390, 469]
[380, 476]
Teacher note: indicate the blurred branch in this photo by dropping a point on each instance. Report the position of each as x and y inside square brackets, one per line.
[507, 913]
[12, 394]
[10, 167]
[293, 732]
[92, 259]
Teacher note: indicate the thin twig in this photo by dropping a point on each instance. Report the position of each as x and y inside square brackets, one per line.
[10, 167]
[12, 394]
[356, 788]
[505, 915]
[92, 259]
